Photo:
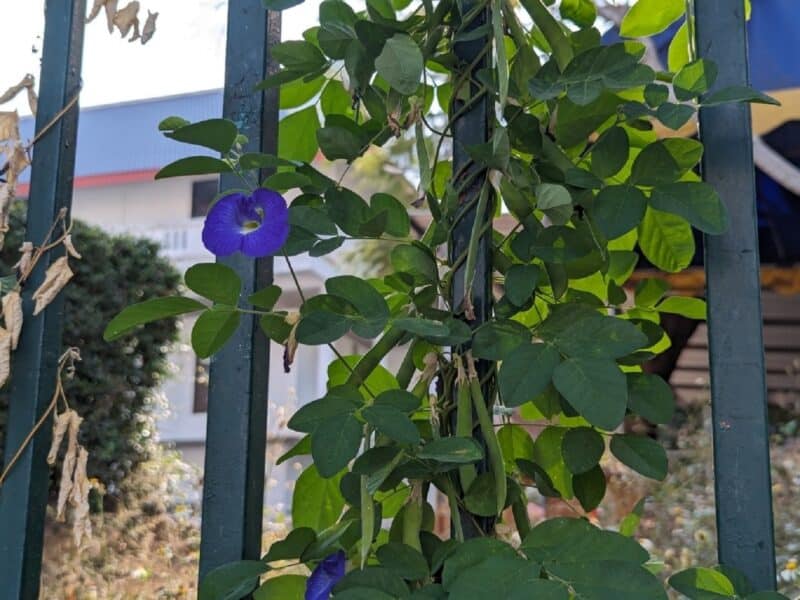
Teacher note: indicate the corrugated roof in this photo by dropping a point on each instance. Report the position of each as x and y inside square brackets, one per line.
[118, 138]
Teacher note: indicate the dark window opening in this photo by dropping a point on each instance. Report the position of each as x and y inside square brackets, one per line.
[203, 193]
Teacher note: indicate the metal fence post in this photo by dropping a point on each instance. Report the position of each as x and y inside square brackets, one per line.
[738, 388]
[23, 497]
[233, 492]
[470, 128]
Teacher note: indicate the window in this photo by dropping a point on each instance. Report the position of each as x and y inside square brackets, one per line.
[203, 193]
[201, 385]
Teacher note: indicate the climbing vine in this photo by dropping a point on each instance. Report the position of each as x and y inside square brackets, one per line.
[545, 161]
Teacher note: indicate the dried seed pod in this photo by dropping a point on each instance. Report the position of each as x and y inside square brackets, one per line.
[23, 265]
[9, 126]
[55, 279]
[79, 499]
[68, 466]
[12, 315]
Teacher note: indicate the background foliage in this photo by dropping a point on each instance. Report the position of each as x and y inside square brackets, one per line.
[113, 389]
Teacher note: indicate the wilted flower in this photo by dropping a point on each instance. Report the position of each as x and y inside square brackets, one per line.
[325, 576]
[255, 225]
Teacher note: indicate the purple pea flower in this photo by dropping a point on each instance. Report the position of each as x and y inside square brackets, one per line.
[255, 225]
[325, 576]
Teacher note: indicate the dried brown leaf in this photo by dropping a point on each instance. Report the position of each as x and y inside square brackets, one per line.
[17, 163]
[56, 277]
[111, 12]
[98, 4]
[5, 356]
[23, 265]
[9, 126]
[60, 426]
[68, 466]
[136, 35]
[33, 100]
[125, 18]
[70, 247]
[12, 92]
[6, 195]
[79, 498]
[12, 315]
[149, 27]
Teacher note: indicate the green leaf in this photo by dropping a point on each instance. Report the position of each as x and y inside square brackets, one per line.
[679, 51]
[599, 336]
[334, 443]
[397, 222]
[655, 94]
[555, 201]
[367, 301]
[665, 161]
[400, 399]
[193, 165]
[316, 503]
[547, 456]
[322, 327]
[301, 448]
[691, 308]
[217, 282]
[766, 596]
[642, 454]
[421, 327]
[217, 134]
[285, 587]
[275, 327]
[392, 423]
[695, 201]
[648, 17]
[298, 92]
[148, 311]
[342, 400]
[292, 547]
[266, 297]
[559, 244]
[173, 122]
[576, 123]
[701, 583]
[497, 339]
[212, 329]
[347, 209]
[576, 540]
[526, 372]
[493, 577]
[609, 580]
[582, 448]
[297, 138]
[610, 152]
[400, 63]
[666, 240]
[738, 93]
[649, 291]
[452, 450]
[342, 138]
[520, 283]
[617, 209]
[515, 443]
[595, 387]
[694, 78]
[299, 55]
[590, 488]
[404, 560]
[231, 581]
[650, 397]
[415, 260]
[379, 380]
[376, 580]
[674, 116]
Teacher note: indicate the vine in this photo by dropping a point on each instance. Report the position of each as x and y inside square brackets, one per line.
[572, 156]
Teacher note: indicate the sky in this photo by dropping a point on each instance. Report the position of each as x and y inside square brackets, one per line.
[187, 52]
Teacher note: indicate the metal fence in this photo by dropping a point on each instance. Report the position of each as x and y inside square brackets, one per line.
[237, 415]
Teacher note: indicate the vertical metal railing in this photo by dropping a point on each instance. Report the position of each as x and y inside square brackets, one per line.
[736, 349]
[233, 491]
[23, 497]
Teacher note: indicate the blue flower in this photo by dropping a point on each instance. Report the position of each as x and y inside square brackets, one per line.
[325, 576]
[255, 225]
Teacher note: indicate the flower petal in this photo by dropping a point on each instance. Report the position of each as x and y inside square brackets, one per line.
[222, 231]
[325, 576]
[270, 236]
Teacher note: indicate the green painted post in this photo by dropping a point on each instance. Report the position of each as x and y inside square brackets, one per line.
[738, 388]
[470, 128]
[233, 492]
[23, 497]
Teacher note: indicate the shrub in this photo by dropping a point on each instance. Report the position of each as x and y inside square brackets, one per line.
[113, 389]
